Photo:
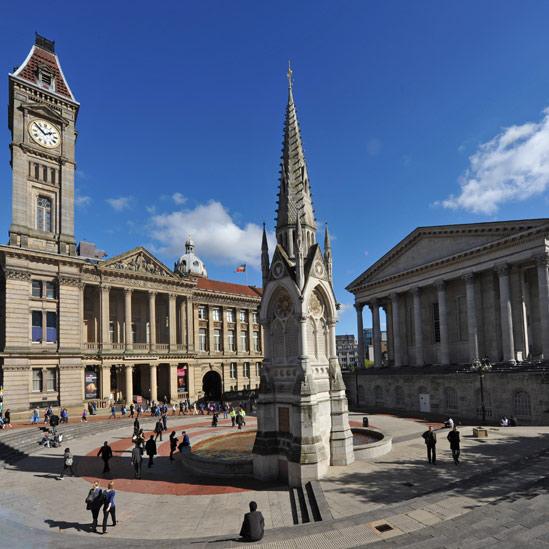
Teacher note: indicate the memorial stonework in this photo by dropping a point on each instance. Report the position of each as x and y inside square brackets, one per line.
[303, 425]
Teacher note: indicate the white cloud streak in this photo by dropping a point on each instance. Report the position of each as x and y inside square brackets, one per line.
[121, 203]
[217, 236]
[511, 167]
[82, 200]
[179, 199]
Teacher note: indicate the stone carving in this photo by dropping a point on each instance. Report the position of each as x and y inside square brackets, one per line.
[283, 307]
[140, 263]
[278, 269]
[15, 274]
[319, 269]
[316, 309]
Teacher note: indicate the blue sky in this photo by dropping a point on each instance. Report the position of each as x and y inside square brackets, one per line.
[412, 114]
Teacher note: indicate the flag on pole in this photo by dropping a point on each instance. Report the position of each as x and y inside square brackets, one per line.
[241, 268]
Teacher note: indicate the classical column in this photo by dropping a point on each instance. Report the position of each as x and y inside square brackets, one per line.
[154, 383]
[189, 324]
[129, 383]
[374, 306]
[360, 333]
[105, 317]
[183, 323]
[128, 317]
[543, 290]
[83, 335]
[506, 315]
[224, 330]
[172, 322]
[250, 334]
[444, 356]
[472, 328]
[389, 326]
[395, 321]
[105, 381]
[174, 397]
[418, 327]
[152, 320]
[238, 329]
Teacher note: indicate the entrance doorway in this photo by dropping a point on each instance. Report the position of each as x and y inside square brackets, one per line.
[211, 385]
[424, 402]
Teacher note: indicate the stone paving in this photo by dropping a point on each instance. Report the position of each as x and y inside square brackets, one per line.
[421, 503]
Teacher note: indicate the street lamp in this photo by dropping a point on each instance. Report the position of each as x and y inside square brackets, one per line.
[481, 367]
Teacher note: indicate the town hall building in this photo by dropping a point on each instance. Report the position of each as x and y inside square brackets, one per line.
[75, 326]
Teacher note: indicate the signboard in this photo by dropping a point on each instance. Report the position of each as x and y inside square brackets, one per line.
[91, 389]
[181, 379]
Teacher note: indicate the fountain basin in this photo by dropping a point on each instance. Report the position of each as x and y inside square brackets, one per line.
[368, 444]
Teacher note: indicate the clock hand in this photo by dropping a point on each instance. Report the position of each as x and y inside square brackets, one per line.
[40, 129]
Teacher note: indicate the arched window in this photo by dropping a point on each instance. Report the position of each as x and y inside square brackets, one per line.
[450, 398]
[399, 396]
[522, 404]
[43, 214]
[378, 395]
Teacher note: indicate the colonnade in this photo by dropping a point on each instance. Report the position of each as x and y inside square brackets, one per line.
[398, 344]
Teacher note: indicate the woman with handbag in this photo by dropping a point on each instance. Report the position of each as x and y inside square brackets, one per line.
[94, 501]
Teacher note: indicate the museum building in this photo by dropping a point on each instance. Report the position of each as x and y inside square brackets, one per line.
[451, 295]
[75, 326]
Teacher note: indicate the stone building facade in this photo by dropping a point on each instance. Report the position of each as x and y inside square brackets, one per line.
[302, 418]
[347, 351]
[453, 294]
[74, 328]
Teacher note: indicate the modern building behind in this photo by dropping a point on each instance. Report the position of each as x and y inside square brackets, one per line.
[347, 351]
[75, 326]
[452, 295]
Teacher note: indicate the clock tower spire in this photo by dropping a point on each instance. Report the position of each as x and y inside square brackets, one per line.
[42, 116]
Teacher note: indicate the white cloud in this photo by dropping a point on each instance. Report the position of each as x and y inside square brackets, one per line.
[179, 199]
[344, 308]
[82, 200]
[511, 167]
[217, 236]
[121, 203]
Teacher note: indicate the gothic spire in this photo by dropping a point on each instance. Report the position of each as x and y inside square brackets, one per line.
[264, 257]
[328, 253]
[294, 193]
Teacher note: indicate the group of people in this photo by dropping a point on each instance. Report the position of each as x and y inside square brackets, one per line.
[508, 421]
[430, 438]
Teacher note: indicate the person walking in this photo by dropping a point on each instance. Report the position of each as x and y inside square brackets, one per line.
[453, 438]
[136, 427]
[165, 421]
[94, 502]
[113, 412]
[109, 506]
[239, 420]
[68, 462]
[137, 459]
[430, 438]
[150, 448]
[215, 419]
[7, 418]
[242, 413]
[232, 415]
[253, 526]
[105, 452]
[84, 417]
[173, 444]
[132, 410]
[35, 416]
[158, 428]
[185, 445]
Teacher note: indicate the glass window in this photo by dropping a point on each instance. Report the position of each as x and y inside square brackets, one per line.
[217, 340]
[230, 340]
[36, 326]
[216, 314]
[243, 341]
[202, 339]
[233, 370]
[51, 379]
[258, 369]
[436, 323]
[51, 327]
[50, 290]
[53, 175]
[202, 312]
[246, 369]
[256, 342]
[43, 214]
[37, 171]
[36, 288]
[243, 315]
[37, 380]
[230, 315]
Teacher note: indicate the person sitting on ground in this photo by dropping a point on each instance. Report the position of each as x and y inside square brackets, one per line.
[449, 423]
[504, 422]
[253, 527]
[185, 446]
[46, 440]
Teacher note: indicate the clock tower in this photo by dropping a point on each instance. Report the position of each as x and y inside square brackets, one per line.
[42, 117]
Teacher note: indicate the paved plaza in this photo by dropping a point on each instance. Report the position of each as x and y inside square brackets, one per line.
[497, 495]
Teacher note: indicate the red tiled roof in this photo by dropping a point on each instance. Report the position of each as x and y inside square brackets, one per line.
[42, 57]
[209, 285]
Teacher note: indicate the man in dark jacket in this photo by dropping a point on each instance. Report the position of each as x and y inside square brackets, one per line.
[453, 438]
[150, 448]
[158, 428]
[137, 458]
[106, 454]
[430, 438]
[253, 526]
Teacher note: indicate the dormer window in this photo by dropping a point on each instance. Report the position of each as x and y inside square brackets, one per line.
[46, 79]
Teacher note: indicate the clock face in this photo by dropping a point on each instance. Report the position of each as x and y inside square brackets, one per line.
[44, 133]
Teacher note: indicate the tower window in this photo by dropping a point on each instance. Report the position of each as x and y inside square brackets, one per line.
[46, 79]
[43, 214]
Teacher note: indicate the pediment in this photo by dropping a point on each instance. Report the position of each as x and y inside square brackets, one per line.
[314, 265]
[40, 109]
[138, 261]
[431, 244]
[281, 265]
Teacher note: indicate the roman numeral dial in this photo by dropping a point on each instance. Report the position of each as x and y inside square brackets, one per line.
[44, 133]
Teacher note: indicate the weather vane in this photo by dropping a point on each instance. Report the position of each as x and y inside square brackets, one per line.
[290, 72]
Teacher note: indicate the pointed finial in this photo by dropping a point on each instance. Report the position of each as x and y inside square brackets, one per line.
[289, 74]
